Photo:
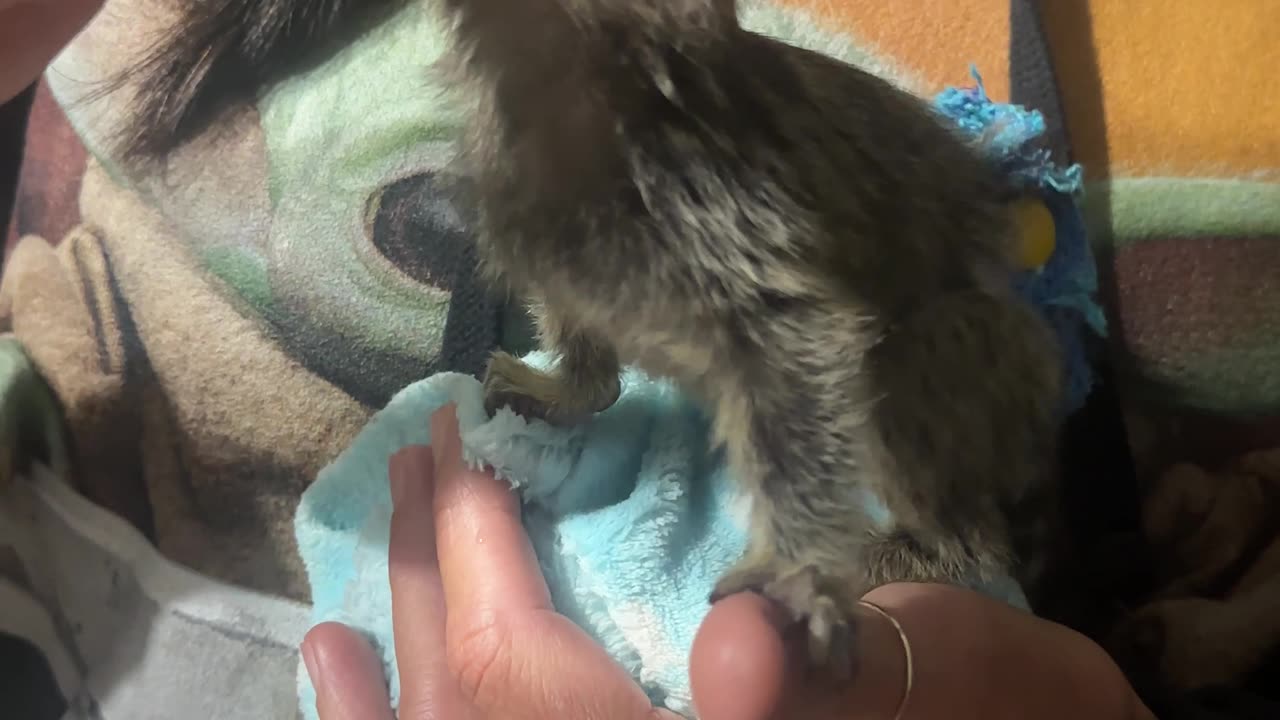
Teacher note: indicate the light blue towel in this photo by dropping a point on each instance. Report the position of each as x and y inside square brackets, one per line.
[632, 516]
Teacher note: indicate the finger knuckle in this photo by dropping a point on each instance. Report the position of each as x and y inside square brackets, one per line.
[481, 661]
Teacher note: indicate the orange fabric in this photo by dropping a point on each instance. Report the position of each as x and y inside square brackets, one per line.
[938, 43]
[1187, 89]
[1150, 87]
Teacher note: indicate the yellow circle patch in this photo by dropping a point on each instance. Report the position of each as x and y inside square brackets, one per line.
[1038, 236]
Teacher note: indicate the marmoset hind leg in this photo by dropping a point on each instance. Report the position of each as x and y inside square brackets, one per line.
[964, 395]
[584, 381]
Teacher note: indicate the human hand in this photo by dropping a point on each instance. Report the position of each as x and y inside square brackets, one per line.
[32, 32]
[475, 633]
[476, 636]
[972, 657]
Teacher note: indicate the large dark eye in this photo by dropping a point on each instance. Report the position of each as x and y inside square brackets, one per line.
[414, 224]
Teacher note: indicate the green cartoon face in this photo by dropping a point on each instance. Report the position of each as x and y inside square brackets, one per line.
[365, 250]
[331, 223]
[324, 215]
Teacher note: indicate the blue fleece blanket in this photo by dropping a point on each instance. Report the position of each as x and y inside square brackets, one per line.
[633, 515]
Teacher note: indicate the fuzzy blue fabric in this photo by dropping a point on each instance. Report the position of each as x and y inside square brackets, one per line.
[633, 515]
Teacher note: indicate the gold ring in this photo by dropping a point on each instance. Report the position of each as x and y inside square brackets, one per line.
[906, 649]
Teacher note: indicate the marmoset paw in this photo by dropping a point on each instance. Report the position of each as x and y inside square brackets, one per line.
[530, 393]
[808, 597]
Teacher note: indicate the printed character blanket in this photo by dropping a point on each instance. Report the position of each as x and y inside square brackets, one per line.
[217, 332]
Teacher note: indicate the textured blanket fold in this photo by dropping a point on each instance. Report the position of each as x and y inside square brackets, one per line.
[631, 517]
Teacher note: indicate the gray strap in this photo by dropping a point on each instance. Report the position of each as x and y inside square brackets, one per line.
[1031, 78]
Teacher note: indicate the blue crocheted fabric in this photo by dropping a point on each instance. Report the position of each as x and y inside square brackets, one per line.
[1065, 288]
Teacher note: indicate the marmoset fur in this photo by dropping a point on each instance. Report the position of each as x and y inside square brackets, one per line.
[808, 250]
[811, 252]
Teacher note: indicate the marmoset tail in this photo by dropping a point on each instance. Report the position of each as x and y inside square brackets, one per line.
[810, 251]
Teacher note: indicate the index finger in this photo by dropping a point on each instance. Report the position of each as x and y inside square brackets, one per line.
[475, 509]
[511, 654]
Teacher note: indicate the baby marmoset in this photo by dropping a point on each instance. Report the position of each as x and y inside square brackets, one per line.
[808, 250]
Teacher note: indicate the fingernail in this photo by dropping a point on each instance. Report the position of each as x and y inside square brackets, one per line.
[398, 477]
[312, 662]
[443, 435]
[406, 469]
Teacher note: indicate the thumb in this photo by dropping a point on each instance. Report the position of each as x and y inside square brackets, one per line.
[747, 664]
[976, 657]
[971, 658]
